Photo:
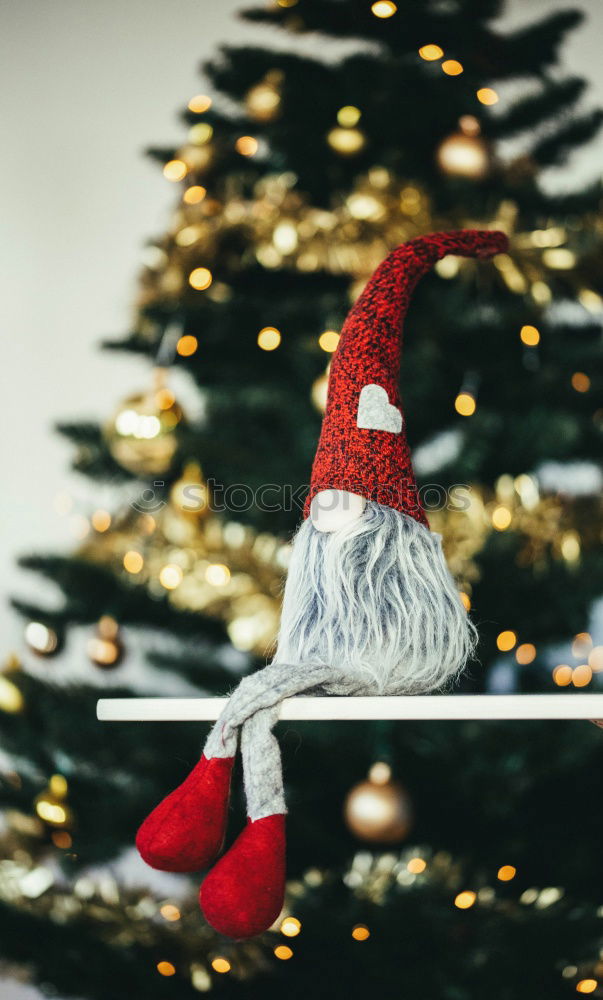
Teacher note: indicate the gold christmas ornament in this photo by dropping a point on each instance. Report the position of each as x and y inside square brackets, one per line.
[462, 155]
[379, 809]
[51, 804]
[142, 434]
[105, 649]
[263, 100]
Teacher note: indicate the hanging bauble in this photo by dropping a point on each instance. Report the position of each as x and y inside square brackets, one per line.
[461, 155]
[263, 100]
[142, 435]
[346, 141]
[105, 648]
[190, 493]
[379, 809]
[42, 639]
[51, 804]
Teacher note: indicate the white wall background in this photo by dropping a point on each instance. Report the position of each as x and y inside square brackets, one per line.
[84, 88]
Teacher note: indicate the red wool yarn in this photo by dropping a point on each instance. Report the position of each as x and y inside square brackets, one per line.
[363, 447]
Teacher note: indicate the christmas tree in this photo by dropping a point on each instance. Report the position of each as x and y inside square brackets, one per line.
[295, 177]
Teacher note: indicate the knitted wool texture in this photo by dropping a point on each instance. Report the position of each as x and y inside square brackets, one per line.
[353, 454]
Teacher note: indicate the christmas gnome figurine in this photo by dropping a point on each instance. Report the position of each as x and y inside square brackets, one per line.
[369, 607]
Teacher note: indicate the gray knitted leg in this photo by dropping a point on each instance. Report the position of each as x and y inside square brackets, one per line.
[262, 767]
[261, 690]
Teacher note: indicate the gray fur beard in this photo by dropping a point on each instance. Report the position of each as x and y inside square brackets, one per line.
[375, 601]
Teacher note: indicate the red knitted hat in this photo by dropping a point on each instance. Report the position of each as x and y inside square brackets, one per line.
[363, 447]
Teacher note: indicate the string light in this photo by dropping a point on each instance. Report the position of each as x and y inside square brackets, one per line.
[469, 125]
[51, 812]
[526, 653]
[285, 237]
[41, 638]
[246, 145]
[346, 141]
[562, 675]
[465, 600]
[582, 644]
[220, 964]
[465, 899]
[461, 155]
[580, 382]
[586, 986]
[101, 520]
[166, 969]
[570, 546]
[348, 116]
[595, 659]
[200, 278]
[175, 170]
[200, 134]
[283, 952]
[416, 865]
[170, 576]
[431, 52]
[486, 95]
[328, 341]
[187, 236]
[62, 839]
[501, 518]
[187, 345]
[530, 336]
[170, 912]
[11, 699]
[506, 873]
[133, 562]
[384, 8]
[360, 932]
[217, 574]
[290, 927]
[465, 404]
[559, 258]
[452, 67]
[506, 640]
[199, 104]
[269, 338]
[582, 675]
[380, 773]
[194, 194]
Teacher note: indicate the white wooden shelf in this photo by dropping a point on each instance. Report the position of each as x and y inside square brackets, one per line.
[434, 707]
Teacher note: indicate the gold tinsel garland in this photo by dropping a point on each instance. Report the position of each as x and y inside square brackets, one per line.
[205, 563]
[180, 944]
[124, 917]
[202, 562]
[278, 228]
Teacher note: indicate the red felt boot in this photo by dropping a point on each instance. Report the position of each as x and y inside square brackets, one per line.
[186, 831]
[244, 892]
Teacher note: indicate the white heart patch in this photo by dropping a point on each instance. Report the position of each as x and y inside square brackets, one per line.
[376, 413]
